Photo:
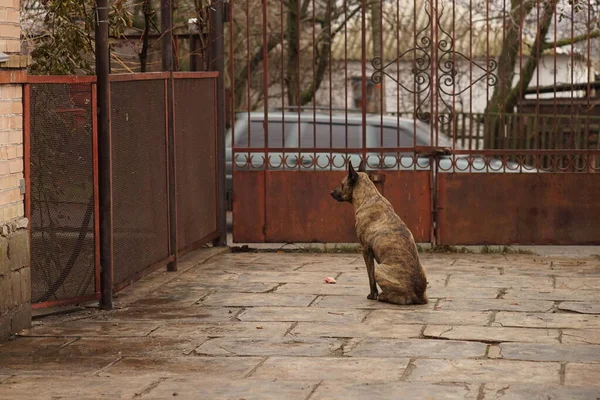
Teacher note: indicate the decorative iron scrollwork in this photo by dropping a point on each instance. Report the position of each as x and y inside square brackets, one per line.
[446, 60]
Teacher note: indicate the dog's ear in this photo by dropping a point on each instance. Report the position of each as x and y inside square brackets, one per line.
[352, 174]
[362, 167]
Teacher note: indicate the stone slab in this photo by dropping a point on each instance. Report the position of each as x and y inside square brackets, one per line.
[223, 367]
[235, 328]
[93, 328]
[546, 320]
[579, 307]
[294, 314]
[171, 298]
[494, 305]
[324, 289]
[257, 300]
[284, 277]
[337, 369]
[235, 286]
[393, 390]
[440, 292]
[385, 348]
[196, 313]
[131, 347]
[472, 371]
[494, 391]
[199, 387]
[289, 346]
[53, 364]
[423, 317]
[544, 352]
[328, 268]
[360, 301]
[554, 294]
[51, 387]
[500, 281]
[578, 283]
[33, 346]
[352, 330]
[581, 336]
[492, 334]
[582, 375]
[361, 278]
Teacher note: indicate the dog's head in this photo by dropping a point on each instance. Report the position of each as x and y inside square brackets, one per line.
[344, 191]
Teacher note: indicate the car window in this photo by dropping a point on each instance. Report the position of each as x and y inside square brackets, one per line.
[256, 135]
[329, 136]
[394, 137]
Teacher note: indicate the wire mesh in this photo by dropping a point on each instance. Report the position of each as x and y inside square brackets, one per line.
[195, 157]
[140, 192]
[62, 188]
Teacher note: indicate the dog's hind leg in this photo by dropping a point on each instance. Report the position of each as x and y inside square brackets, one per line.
[370, 263]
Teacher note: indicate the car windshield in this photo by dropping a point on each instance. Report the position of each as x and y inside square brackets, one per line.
[323, 134]
[255, 136]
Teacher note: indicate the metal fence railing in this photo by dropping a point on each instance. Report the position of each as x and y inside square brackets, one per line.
[62, 200]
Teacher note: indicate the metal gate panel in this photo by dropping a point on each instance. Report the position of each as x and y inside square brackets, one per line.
[249, 207]
[139, 193]
[195, 160]
[544, 209]
[298, 207]
[61, 197]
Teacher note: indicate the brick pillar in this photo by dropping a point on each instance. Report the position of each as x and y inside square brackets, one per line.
[15, 276]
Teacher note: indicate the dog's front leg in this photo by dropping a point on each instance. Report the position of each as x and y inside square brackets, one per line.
[370, 263]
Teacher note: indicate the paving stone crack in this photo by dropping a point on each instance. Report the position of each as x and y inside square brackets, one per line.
[369, 312]
[410, 367]
[149, 388]
[501, 293]
[481, 392]
[257, 366]
[273, 289]
[316, 300]
[290, 329]
[108, 366]
[236, 316]
[313, 390]
[562, 372]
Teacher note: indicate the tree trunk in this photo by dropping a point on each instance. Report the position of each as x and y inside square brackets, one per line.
[147, 10]
[498, 105]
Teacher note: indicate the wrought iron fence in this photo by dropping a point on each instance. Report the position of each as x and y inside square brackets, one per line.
[474, 92]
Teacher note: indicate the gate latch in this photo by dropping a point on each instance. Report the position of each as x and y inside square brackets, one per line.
[432, 151]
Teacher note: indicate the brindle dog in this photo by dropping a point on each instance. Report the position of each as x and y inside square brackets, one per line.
[386, 239]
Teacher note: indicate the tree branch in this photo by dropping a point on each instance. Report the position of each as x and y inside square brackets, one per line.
[568, 41]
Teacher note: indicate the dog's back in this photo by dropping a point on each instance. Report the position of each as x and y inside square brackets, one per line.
[378, 227]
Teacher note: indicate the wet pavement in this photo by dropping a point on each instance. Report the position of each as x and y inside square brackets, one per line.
[266, 326]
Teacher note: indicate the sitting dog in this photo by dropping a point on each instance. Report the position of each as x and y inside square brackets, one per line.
[386, 239]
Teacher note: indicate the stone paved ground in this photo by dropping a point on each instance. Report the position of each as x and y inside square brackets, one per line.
[265, 326]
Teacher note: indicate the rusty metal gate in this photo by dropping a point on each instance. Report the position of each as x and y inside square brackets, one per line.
[61, 150]
[480, 118]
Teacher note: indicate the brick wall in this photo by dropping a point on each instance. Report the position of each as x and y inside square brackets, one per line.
[15, 276]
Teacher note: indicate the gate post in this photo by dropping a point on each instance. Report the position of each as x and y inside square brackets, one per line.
[104, 156]
[217, 64]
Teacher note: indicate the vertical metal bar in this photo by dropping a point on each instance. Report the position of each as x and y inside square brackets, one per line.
[104, 155]
[265, 54]
[363, 80]
[218, 64]
[97, 263]
[166, 24]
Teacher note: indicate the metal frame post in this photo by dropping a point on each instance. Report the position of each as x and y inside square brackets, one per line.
[104, 156]
[218, 64]
[166, 8]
